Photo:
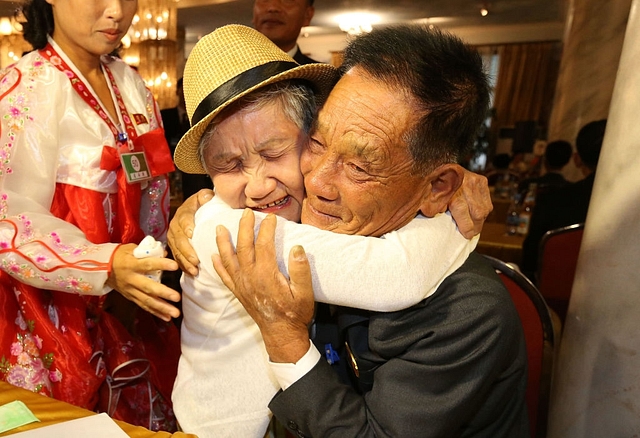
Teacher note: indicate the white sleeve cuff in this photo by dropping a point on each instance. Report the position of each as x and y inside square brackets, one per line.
[289, 373]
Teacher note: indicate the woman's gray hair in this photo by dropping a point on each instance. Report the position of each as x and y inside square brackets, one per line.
[295, 97]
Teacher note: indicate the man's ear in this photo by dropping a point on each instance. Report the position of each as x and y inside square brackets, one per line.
[444, 182]
[308, 15]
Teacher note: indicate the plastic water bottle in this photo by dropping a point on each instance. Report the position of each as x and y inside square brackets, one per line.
[527, 209]
[513, 214]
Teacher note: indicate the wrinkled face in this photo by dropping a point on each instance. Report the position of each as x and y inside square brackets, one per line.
[253, 158]
[357, 166]
[91, 27]
[281, 20]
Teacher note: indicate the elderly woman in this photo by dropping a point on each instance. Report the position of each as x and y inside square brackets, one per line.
[251, 108]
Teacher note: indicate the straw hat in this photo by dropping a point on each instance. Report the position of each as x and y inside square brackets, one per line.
[224, 66]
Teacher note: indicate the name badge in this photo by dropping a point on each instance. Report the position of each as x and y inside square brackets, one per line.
[135, 166]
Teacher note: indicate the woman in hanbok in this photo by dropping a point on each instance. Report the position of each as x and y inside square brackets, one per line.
[83, 164]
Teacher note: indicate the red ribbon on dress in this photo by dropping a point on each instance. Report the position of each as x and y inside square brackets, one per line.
[156, 150]
[86, 202]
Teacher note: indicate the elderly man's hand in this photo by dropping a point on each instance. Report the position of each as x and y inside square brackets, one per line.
[181, 230]
[283, 308]
[471, 204]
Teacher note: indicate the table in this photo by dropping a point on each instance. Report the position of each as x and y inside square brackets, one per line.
[495, 242]
[50, 411]
[500, 210]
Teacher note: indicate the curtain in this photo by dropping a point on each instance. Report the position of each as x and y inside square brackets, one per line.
[525, 83]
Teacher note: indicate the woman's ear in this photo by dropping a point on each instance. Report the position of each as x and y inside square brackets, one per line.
[445, 181]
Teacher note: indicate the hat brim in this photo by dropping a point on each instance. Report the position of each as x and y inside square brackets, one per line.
[322, 78]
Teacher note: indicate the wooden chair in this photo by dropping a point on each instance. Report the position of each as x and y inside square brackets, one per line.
[540, 331]
[557, 260]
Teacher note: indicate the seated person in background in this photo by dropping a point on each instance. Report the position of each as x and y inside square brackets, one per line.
[407, 106]
[567, 205]
[501, 178]
[250, 143]
[500, 168]
[556, 155]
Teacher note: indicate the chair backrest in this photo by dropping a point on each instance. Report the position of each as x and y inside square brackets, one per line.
[557, 260]
[539, 336]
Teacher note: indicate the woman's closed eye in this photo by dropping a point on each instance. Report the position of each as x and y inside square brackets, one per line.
[272, 155]
[226, 167]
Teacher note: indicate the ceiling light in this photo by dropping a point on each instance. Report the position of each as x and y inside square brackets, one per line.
[356, 23]
[484, 9]
[5, 26]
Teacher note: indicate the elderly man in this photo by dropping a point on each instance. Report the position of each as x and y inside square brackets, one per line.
[281, 21]
[407, 106]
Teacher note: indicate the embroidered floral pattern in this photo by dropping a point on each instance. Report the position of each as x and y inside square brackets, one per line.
[8, 78]
[17, 113]
[29, 234]
[155, 221]
[26, 366]
[4, 207]
[13, 120]
[36, 69]
[22, 271]
[72, 250]
[73, 284]
[28, 270]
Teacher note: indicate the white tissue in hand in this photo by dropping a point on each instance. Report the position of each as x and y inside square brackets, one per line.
[150, 247]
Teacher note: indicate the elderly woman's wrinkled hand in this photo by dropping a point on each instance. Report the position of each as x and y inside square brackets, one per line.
[471, 204]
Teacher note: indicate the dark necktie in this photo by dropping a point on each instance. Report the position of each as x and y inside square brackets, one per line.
[354, 326]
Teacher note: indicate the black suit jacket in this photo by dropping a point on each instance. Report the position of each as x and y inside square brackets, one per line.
[302, 59]
[174, 129]
[565, 206]
[453, 365]
[548, 181]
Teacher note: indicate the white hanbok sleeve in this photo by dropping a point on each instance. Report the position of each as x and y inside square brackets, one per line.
[386, 274]
[36, 247]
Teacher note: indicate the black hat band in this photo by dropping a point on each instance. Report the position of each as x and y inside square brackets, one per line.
[237, 85]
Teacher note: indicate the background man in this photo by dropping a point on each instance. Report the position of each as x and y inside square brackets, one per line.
[556, 155]
[407, 108]
[567, 205]
[281, 21]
